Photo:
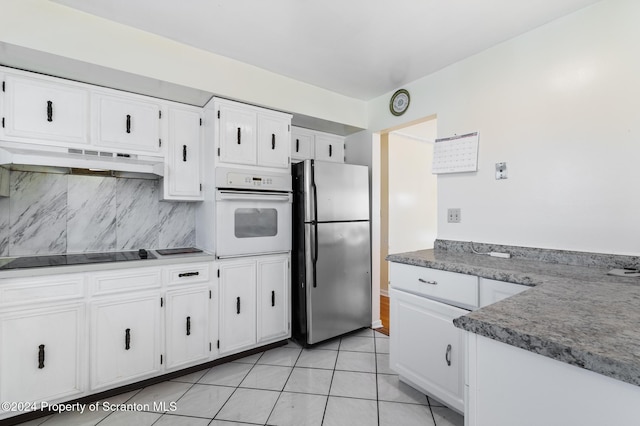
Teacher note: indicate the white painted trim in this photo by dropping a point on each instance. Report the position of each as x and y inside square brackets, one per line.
[384, 293]
[375, 228]
[408, 136]
[376, 324]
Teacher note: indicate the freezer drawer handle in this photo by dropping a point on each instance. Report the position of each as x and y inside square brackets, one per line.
[49, 111]
[188, 326]
[239, 136]
[128, 123]
[41, 356]
[238, 305]
[447, 355]
[188, 274]
[273, 298]
[428, 282]
[273, 141]
[127, 339]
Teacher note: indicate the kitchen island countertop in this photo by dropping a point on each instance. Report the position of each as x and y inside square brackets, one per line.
[574, 314]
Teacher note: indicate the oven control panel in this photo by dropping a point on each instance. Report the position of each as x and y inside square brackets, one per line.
[238, 178]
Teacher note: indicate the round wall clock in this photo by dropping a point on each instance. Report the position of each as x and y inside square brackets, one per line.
[399, 102]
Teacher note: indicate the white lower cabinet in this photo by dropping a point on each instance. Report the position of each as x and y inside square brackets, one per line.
[254, 301]
[237, 305]
[187, 326]
[273, 299]
[41, 353]
[125, 339]
[427, 350]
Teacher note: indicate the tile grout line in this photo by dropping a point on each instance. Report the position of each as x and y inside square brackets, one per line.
[283, 386]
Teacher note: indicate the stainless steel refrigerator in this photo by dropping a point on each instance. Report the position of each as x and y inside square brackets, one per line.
[331, 259]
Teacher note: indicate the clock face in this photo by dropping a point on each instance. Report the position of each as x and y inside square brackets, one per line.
[399, 102]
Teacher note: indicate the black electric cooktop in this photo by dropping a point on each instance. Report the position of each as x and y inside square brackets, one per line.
[74, 259]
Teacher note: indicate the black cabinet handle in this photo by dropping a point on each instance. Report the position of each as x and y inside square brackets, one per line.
[273, 298]
[41, 356]
[238, 305]
[330, 150]
[447, 355]
[184, 153]
[273, 141]
[188, 326]
[239, 136]
[128, 123]
[127, 339]
[297, 145]
[188, 274]
[49, 111]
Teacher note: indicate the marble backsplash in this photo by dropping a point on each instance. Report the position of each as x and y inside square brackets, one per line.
[51, 214]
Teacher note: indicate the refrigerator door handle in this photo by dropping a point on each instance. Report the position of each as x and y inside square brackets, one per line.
[314, 253]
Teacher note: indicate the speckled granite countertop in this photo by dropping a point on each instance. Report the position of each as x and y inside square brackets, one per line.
[574, 314]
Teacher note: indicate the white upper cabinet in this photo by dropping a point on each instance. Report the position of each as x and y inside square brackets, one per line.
[251, 136]
[126, 122]
[309, 144]
[329, 148]
[42, 110]
[302, 144]
[237, 134]
[273, 141]
[183, 167]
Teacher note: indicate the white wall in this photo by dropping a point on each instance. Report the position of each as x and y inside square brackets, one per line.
[412, 193]
[561, 105]
[45, 26]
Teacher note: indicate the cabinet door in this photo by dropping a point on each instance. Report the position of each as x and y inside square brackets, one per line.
[187, 326]
[125, 339]
[237, 305]
[273, 299]
[273, 141]
[182, 177]
[40, 353]
[126, 124]
[44, 111]
[301, 145]
[237, 135]
[426, 348]
[329, 148]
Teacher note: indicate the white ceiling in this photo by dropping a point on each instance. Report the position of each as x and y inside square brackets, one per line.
[359, 48]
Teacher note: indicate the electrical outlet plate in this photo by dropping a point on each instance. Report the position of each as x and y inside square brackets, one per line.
[501, 171]
[454, 215]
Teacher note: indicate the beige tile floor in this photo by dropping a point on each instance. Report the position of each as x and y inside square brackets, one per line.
[345, 381]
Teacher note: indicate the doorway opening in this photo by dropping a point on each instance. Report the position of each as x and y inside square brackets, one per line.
[406, 197]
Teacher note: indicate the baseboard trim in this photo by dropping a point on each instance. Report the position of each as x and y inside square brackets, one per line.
[384, 293]
[376, 324]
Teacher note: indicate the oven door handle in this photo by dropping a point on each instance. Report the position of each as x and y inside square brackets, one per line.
[246, 196]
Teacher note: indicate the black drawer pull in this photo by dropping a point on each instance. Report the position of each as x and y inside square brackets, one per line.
[49, 111]
[297, 145]
[128, 123]
[41, 356]
[127, 339]
[239, 136]
[238, 305]
[447, 355]
[428, 282]
[273, 298]
[330, 150]
[184, 153]
[188, 326]
[188, 274]
[273, 141]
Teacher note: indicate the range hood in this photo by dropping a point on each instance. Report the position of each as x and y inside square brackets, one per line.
[66, 160]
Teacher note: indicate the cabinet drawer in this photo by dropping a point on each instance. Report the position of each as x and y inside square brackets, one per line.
[458, 289]
[125, 280]
[188, 274]
[33, 290]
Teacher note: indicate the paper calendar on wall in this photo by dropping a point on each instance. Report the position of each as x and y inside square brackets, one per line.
[455, 154]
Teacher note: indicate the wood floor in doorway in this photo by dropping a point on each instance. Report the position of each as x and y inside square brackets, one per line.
[384, 315]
